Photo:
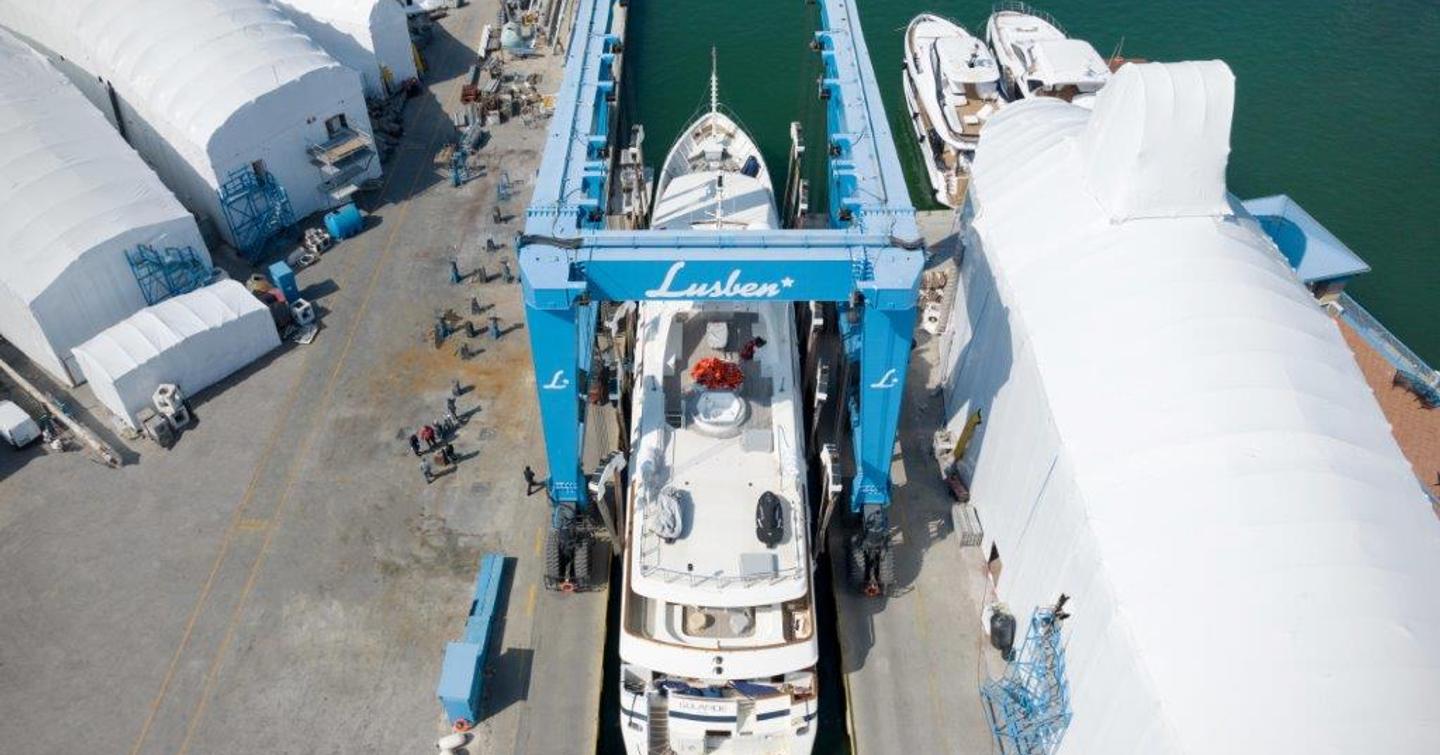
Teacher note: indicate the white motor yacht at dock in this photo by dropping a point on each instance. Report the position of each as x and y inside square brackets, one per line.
[1037, 59]
[718, 639]
[952, 86]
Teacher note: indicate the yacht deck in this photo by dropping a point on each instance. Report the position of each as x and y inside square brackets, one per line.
[717, 559]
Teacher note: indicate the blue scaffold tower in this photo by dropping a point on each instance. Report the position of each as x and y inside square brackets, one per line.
[256, 208]
[167, 272]
[1029, 707]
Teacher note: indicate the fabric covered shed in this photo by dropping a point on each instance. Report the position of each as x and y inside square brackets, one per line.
[209, 89]
[73, 200]
[371, 37]
[1174, 434]
[194, 341]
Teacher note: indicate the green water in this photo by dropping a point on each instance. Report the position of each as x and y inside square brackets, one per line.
[1338, 103]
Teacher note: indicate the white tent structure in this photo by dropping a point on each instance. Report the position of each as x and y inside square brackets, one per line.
[1176, 436]
[371, 37]
[73, 199]
[194, 341]
[207, 89]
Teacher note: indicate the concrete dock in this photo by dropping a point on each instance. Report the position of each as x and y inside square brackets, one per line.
[913, 661]
[283, 580]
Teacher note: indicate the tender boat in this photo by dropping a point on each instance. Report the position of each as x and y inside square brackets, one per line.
[952, 86]
[718, 637]
[1038, 60]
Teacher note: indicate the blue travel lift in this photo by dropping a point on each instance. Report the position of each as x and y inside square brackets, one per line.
[867, 263]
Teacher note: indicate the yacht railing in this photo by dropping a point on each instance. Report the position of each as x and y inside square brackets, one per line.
[1016, 6]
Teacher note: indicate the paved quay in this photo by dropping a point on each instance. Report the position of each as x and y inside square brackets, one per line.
[913, 661]
[283, 580]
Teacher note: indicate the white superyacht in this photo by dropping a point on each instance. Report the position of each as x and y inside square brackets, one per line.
[952, 86]
[1037, 59]
[718, 638]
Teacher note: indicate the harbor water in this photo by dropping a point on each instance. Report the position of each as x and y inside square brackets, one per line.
[1337, 103]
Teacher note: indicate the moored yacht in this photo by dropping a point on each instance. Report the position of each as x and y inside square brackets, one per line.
[1038, 60]
[951, 87]
[718, 637]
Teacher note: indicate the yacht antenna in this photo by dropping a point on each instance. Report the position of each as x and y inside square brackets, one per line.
[714, 83]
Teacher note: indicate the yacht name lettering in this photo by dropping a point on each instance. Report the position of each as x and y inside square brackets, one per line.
[729, 288]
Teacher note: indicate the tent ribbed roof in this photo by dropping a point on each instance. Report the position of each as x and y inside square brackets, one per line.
[68, 182]
[148, 334]
[185, 65]
[357, 12]
[1271, 555]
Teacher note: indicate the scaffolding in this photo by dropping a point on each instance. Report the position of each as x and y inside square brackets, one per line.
[256, 208]
[1029, 708]
[343, 159]
[163, 273]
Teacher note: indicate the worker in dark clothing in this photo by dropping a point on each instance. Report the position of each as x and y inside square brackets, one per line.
[450, 457]
[530, 480]
[415, 443]
[747, 352]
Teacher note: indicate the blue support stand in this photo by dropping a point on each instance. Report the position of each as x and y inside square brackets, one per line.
[462, 672]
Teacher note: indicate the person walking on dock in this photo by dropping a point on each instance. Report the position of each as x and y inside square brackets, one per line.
[450, 413]
[415, 443]
[427, 434]
[530, 481]
[425, 470]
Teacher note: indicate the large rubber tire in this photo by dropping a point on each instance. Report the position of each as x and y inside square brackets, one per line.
[887, 568]
[581, 561]
[553, 577]
[855, 559]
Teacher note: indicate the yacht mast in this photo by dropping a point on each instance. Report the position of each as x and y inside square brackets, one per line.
[714, 83]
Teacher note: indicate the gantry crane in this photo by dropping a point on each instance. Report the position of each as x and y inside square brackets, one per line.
[866, 264]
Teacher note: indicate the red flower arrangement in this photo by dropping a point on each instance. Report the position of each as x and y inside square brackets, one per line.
[717, 374]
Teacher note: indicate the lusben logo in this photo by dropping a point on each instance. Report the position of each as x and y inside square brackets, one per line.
[888, 380]
[558, 382]
[730, 288]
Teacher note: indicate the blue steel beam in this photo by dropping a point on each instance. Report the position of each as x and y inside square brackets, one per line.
[866, 182]
[867, 193]
[571, 187]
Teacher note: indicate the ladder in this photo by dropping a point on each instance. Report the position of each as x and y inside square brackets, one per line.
[659, 741]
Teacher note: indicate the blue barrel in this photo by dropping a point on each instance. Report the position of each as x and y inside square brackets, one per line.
[344, 222]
